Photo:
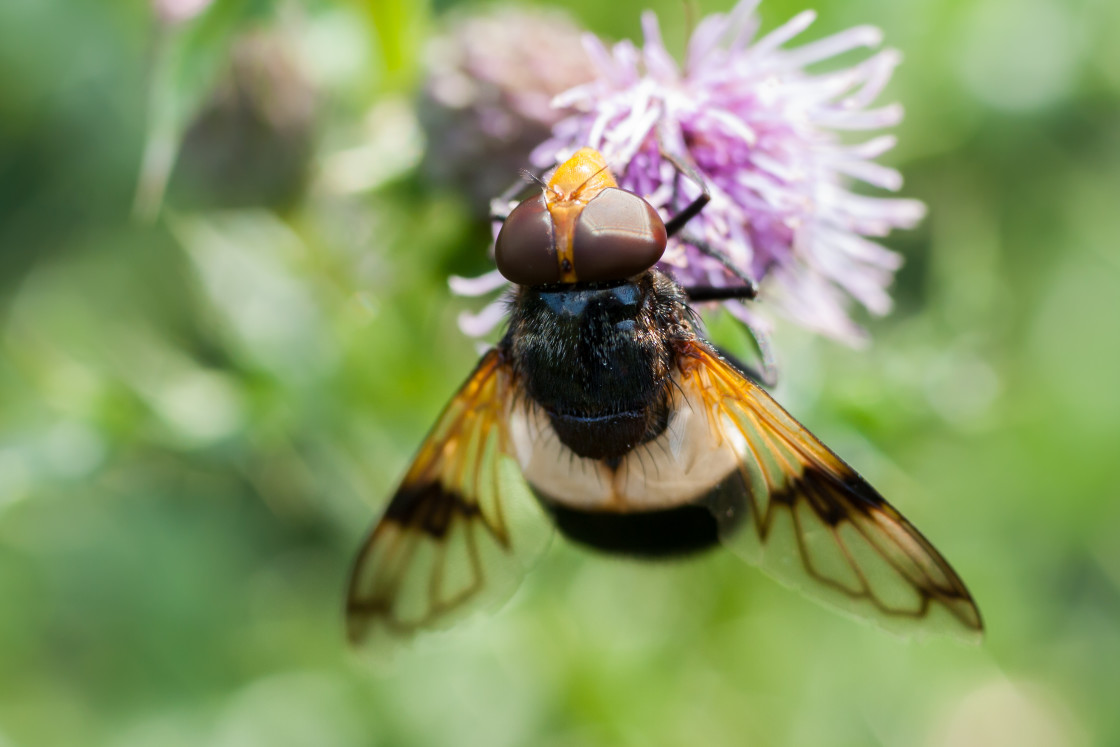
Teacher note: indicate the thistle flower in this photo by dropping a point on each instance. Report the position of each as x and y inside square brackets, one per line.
[487, 99]
[765, 135]
[251, 142]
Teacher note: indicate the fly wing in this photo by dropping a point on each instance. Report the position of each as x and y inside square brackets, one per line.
[812, 522]
[461, 528]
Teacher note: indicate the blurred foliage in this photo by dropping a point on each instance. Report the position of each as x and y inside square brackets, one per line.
[224, 327]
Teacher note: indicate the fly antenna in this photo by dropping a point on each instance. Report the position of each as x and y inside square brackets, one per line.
[588, 179]
[529, 176]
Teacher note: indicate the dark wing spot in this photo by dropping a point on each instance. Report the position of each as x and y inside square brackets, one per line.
[429, 508]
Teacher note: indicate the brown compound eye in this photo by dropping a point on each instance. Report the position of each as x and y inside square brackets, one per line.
[525, 251]
[618, 235]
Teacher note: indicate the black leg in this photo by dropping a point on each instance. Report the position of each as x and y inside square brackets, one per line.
[693, 209]
[719, 292]
[678, 221]
[720, 256]
[768, 375]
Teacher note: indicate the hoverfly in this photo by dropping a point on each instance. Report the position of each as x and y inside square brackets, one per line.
[603, 410]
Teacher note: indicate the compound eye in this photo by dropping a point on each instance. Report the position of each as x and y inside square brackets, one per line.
[525, 251]
[618, 235]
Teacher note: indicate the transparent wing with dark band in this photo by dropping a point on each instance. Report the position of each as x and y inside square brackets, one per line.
[813, 523]
[461, 528]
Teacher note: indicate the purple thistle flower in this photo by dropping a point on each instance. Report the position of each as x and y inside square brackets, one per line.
[764, 134]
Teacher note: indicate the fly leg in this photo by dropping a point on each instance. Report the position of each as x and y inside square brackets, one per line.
[674, 225]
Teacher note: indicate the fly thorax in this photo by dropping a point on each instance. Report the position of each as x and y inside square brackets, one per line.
[596, 360]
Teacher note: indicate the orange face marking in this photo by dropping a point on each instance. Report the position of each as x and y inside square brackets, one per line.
[574, 184]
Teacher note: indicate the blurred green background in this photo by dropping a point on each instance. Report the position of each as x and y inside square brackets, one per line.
[225, 327]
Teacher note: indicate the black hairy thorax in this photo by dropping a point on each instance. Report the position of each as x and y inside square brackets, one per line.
[598, 358]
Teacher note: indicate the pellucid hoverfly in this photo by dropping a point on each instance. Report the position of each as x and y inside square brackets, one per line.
[603, 410]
